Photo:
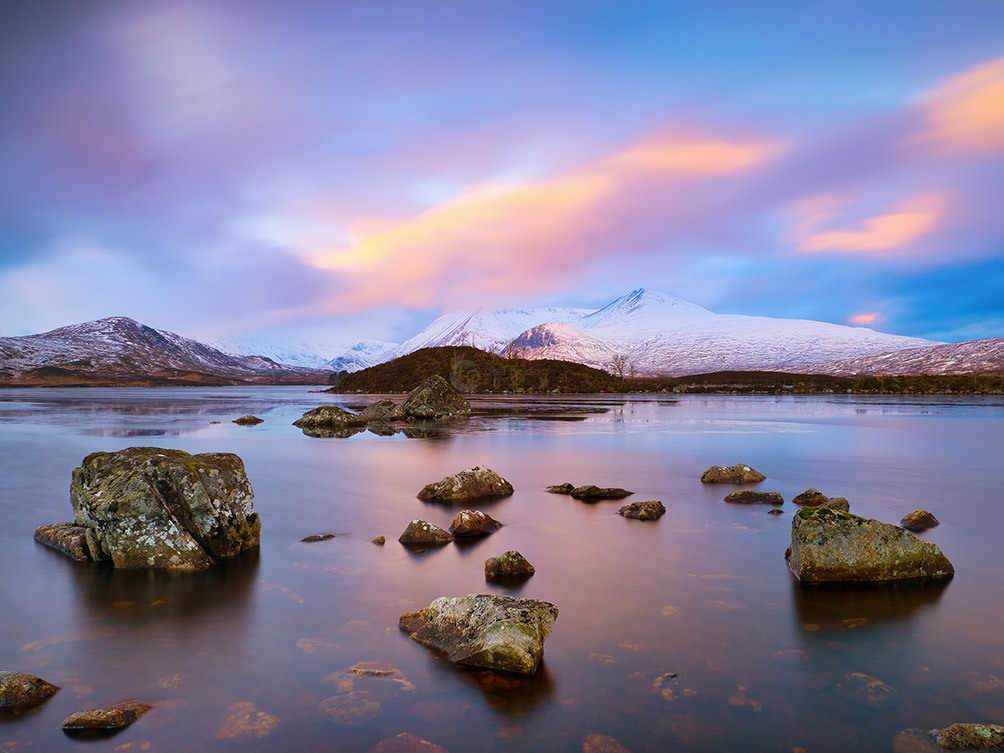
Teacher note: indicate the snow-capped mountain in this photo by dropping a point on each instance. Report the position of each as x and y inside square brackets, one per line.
[362, 355]
[488, 330]
[970, 357]
[308, 354]
[655, 333]
[119, 349]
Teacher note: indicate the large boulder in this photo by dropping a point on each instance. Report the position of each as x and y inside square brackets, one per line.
[435, 398]
[383, 411]
[468, 485]
[733, 474]
[653, 509]
[828, 545]
[146, 507]
[330, 417]
[485, 630]
[473, 523]
[20, 691]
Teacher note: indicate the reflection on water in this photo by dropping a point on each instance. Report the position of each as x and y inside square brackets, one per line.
[686, 633]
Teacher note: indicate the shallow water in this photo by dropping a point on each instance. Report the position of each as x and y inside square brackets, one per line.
[704, 592]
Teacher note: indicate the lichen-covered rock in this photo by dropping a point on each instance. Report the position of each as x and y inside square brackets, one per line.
[146, 507]
[423, 533]
[811, 497]
[650, 510]
[435, 398]
[379, 540]
[20, 691]
[485, 630]
[591, 493]
[511, 564]
[330, 417]
[68, 538]
[827, 545]
[733, 474]
[473, 523]
[965, 736]
[384, 411]
[248, 420]
[110, 717]
[565, 488]
[840, 504]
[406, 743]
[748, 497]
[471, 484]
[244, 720]
[918, 520]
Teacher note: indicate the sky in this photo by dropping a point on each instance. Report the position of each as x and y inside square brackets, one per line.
[348, 170]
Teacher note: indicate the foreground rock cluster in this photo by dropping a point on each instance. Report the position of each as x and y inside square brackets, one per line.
[147, 507]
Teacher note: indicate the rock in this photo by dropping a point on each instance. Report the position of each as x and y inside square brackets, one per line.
[592, 493]
[965, 736]
[330, 417]
[384, 411]
[486, 630]
[650, 510]
[421, 532]
[145, 507]
[405, 743]
[20, 691]
[918, 520]
[565, 488]
[748, 497]
[68, 538]
[602, 744]
[468, 485]
[733, 474]
[435, 398]
[775, 511]
[811, 497]
[379, 540]
[111, 717]
[827, 545]
[248, 420]
[866, 690]
[318, 537]
[840, 504]
[473, 523]
[512, 564]
[350, 709]
[245, 720]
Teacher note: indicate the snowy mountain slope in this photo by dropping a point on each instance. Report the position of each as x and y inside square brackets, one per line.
[362, 355]
[970, 357]
[487, 330]
[121, 349]
[659, 334]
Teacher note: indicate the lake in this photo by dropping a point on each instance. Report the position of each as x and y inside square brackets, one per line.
[761, 662]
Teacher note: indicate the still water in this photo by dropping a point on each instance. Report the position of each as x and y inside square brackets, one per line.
[705, 593]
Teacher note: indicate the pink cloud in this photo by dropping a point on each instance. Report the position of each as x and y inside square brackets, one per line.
[966, 112]
[893, 231]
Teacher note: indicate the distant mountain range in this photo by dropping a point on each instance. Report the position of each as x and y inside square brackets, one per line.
[119, 350]
[970, 357]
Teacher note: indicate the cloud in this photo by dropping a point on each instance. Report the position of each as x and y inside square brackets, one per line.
[865, 318]
[886, 232]
[966, 112]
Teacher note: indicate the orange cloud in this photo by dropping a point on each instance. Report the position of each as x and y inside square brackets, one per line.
[867, 318]
[495, 240]
[881, 233]
[966, 113]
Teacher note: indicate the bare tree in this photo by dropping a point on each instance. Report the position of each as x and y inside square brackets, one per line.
[618, 364]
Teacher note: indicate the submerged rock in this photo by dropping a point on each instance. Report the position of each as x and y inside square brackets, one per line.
[248, 420]
[466, 486]
[317, 537]
[406, 743]
[245, 720]
[602, 744]
[649, 510]
[565, 488]
[591, 493]
[486, 630]
[350, 709]
[145, 507]
[435, 398]
[421, 532]
[384, 410]
[511, 564]
[20, 691]
[110, 717]
[811, 497]
[827, 545]
[473, 523]
[748, 497]
[330, 417]
[733, 474]
[865, 690]
[919, 520]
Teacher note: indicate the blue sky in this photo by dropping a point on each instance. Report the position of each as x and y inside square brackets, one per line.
[350, 170]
